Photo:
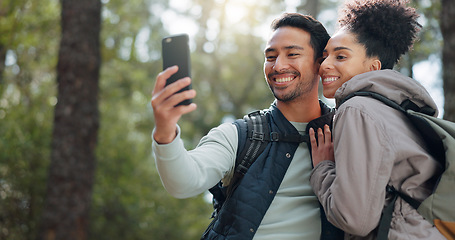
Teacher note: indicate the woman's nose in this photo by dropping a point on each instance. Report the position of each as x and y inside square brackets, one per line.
[326, 64]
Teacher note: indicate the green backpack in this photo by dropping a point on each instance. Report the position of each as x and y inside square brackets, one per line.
[439, 135]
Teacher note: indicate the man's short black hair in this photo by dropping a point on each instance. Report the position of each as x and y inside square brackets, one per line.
[318, 33]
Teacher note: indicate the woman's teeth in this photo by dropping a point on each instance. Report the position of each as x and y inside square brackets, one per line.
[330, 79]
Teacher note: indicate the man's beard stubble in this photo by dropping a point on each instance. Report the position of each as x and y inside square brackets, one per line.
[301, 89]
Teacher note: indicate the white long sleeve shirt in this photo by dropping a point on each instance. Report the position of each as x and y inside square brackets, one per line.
[292, 215]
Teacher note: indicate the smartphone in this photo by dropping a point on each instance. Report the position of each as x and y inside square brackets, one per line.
[176, 51]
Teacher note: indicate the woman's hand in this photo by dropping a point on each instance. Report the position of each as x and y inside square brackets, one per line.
[323, 148]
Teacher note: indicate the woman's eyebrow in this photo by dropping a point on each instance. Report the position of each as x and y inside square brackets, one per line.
[342, 48]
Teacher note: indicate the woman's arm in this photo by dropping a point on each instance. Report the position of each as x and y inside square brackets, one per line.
[352, 191]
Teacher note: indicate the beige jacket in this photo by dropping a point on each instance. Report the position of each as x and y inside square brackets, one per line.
[374, 146]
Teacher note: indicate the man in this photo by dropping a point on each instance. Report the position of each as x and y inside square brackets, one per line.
[274, 199]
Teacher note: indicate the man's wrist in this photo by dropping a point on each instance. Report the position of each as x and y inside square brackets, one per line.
[164, 138]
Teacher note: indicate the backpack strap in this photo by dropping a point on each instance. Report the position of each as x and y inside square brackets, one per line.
[376, 96]
[429, 135]
[256, 140]
[407, 104]
[258, 136]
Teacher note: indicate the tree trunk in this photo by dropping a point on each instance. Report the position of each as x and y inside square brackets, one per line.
[76, 121]
[448, 57]
[2, 67]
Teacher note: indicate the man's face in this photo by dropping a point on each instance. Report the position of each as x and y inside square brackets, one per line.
[289, 67]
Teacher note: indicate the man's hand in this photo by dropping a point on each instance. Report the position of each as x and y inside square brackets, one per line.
[323, 148]
[164, 101]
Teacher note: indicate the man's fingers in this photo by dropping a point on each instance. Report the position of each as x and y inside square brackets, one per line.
[170, 95]
[162, 77]
[176, 98]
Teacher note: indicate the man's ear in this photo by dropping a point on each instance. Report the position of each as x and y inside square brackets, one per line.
[317, 64]
[375, 65]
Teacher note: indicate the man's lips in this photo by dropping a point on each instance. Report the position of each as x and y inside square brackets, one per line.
[283, 77]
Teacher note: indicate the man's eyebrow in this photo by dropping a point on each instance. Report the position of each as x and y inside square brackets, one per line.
[287, 48]
[294, 47]
[267, 50]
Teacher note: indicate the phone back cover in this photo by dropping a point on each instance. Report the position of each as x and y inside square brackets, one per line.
[176, 52]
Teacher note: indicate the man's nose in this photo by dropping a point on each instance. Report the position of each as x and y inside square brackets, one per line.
[281, 63]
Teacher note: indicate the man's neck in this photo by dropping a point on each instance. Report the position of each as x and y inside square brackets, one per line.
[300, 111]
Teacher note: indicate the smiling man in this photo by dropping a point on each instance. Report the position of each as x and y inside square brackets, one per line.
[291, 70]
[274, 199]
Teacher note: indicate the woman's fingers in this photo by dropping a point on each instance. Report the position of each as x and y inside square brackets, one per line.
[327, 134]
[314, 144]
[322, 147]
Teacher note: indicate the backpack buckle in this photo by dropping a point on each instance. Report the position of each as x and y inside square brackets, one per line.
[274, 137]
[257, 136]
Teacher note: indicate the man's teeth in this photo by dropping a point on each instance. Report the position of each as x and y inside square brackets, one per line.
[282, 80]
[330, 79]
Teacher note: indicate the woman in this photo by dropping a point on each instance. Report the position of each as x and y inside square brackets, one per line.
[374, 145]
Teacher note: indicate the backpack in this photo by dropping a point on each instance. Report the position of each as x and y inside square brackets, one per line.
[439, 136]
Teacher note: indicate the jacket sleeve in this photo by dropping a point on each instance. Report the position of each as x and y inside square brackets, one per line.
[352, 190]
[188, 173]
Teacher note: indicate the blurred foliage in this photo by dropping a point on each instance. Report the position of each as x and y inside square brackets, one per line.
[430, 39]
[27, 98]
[129, 201]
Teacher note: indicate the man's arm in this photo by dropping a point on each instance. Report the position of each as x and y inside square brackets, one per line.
[188, 173]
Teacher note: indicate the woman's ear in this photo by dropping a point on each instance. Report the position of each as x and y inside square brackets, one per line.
[375, 65]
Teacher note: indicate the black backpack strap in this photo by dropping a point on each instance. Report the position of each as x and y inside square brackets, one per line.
[407, 104]
[258, 136]
[254, 136]
[377, 96]
[386, 217]
[429, 135]
[258, 132]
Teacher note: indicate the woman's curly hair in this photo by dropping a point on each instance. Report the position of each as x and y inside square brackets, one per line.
[387, 28]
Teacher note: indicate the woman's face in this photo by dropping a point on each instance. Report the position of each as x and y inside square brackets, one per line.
[344, 58]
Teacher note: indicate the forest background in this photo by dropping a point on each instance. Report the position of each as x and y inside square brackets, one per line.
[114, 191]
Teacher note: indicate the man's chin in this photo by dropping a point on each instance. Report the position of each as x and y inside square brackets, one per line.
[285, 98]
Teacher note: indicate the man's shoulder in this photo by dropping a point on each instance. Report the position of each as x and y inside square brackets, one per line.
[227, 128]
